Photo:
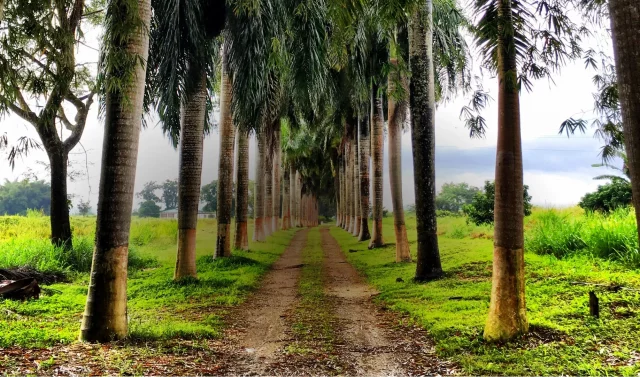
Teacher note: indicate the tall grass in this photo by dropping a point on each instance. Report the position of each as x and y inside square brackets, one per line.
[25, 241]
[612, 237]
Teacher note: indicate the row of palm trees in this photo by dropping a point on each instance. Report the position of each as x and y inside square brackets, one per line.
[312, 85]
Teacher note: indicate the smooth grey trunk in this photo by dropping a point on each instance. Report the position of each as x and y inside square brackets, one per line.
[292, 197]
[242, 191]
[356, 185]
[377, 154]
[268, 193]
[258, 230]
[225, 166]
[194, 110]
[364, 144]
[276, 184]
[422, 105]
[286, 201]
[105, 314]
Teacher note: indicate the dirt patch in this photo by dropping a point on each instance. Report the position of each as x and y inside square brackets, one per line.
[258, 326]
[378, 342]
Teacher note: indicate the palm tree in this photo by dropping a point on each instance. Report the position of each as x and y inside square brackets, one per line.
[422, 102]
[286, 189]
[190, 177]
[225, 166]
[397, 112]
[268, 192]
[276, 182]
[356, 186]
[242, 191]
[179, 66]
[377, 151]
[364, 144]
[125, 35]
[625, 27]
[258, 229]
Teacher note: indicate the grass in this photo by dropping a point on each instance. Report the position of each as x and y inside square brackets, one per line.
[564, 339]
[159, 308]
[612, 237]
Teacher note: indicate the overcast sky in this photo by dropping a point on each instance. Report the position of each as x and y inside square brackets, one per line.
[558, 170]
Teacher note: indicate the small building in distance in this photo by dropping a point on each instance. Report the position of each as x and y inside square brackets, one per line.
[173, 214]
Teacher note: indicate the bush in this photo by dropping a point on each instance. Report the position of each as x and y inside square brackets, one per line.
[149, 209]
[607, 198]
[480, 211]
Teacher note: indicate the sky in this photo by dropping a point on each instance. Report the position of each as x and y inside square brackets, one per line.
[557, 170]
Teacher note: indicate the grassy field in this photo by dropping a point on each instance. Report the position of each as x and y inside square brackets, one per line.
[564, 338]
[158, 307]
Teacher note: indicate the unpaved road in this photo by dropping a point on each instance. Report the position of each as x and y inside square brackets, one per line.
[371, 341]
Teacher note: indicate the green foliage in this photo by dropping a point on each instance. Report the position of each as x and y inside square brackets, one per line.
[148, 192]
[84, 207]
[149, 209]
[480, 211]
[608, 197]
[209, 195]
[453, 196]
[564, 339]
[170, 194]
[18, 196]
[611, 237]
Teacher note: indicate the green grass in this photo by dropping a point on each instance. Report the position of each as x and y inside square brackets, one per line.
[158, 307]
[612, 237]
[564, 340]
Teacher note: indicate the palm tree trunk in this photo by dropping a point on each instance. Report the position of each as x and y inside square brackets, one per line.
[422, 105]
[625, 26]
[395, 117]
[507, 311]
[363, 144]
[292, 197]
[105, 314]
[286, 188]
[225, 167]
[242, 192]
[268, 194]
[337, 185]
[377, 136]
[276, 183]
[194, 111]
[356, 186]
[258, 228]
[352, 219]
[299, 199]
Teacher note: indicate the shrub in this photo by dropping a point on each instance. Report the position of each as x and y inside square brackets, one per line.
[480, 211]
[555, 234]
[149, 209]
[608, 197]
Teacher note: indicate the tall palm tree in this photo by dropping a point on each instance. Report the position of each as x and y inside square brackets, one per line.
[422, 102]
[178, 87]
[377, 151]
[625, 27]
[397, 111]
[286, 189]
[517, 52]
[276, 182]
[356, 185]
[258, 213]
[225, 166]
[190, 176]
[364, 145]
[241, 240]
[125, 36]
[268, 192]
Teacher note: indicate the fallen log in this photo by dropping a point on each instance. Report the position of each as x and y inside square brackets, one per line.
[19, 289]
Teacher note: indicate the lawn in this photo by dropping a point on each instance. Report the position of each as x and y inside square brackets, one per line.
[158, 307]
[564, 338]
